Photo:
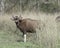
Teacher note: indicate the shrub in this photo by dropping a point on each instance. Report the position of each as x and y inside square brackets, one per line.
[49, 7]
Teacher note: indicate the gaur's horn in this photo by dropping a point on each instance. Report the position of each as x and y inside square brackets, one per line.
[20, 17]
[13, 16]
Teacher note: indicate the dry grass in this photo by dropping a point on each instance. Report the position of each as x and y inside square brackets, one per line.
[47, 38]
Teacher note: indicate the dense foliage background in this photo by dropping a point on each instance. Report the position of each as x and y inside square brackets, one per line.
[29, 5]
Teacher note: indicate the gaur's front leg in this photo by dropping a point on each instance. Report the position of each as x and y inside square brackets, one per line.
[24, 37]
[24, 34]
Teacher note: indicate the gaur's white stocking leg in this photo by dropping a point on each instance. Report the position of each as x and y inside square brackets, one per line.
[24, 37]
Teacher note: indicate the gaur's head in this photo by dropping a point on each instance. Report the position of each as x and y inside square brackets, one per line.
[16, 18]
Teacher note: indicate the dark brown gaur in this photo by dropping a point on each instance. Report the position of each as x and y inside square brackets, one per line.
[26, 25]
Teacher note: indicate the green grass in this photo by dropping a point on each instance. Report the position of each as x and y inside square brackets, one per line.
[17, 45]
[9, 41]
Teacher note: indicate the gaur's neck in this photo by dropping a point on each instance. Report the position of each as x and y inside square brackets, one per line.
[20, 21]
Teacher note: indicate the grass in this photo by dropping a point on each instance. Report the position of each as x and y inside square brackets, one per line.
[9, 41]
[8, 37]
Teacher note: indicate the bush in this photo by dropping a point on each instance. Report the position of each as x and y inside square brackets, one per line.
[49, 7]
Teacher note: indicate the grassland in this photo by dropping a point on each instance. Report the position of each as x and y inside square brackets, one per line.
[49, 37]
